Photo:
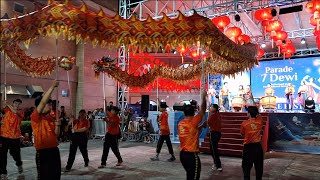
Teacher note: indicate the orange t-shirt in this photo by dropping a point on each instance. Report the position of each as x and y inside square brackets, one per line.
[113, 124]
[214, 122]
[11, 124]
[189, 134]
[251, 130]
[44, 130]
[164, 126]
[78, 124]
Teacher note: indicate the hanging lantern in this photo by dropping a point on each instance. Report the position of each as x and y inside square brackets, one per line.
[279, 37]
[263, 14]
[316, 32]
[288, 50]
[313, 6]
[233, 33]
[318, 39]
[244, 39]
[315, 21]
[274, 25]
[260, 53]
[221, 22]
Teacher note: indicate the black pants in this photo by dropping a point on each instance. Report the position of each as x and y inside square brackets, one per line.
[192, 164]
[78, 140]
[168, 142]
[48, 164]
[252, 154]
[214, 140]
[13, 145]
[111, 141]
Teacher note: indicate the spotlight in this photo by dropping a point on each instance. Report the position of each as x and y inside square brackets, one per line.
[274, 12]
[263, 45]
[309, 105]
[303, 41]
[203, 53]
[237, 17]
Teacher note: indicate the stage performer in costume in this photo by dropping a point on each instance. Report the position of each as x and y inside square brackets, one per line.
[225, 96]
[164, 133]
[212, 95]
[302, 93]
[241, 91]
[79, 139]
[289, 95]
[269, 90]
[112, 137]
[45, 138]
[214, 122]
[311, 85]
[10, 136]
[252, 150]
[188, 130]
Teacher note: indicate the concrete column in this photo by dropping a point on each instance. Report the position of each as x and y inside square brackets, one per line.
[80, 64]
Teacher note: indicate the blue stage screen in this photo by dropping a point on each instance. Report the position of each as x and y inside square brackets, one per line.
[281, 72]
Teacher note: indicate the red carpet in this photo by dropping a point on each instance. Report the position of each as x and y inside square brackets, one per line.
[231, 142]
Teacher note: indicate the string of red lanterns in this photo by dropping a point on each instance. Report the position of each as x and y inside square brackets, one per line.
[274, 27]
[313, 7]
[169, 85]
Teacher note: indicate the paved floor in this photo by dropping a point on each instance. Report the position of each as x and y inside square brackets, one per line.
[137, 165]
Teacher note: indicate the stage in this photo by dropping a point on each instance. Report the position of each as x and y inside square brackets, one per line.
[283, 132]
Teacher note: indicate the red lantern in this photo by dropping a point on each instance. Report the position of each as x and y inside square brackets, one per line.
[233, 33]
[318, 39]
[274, 25]
[280, 35]
[309, 7]
[316, 32]
[313, 6]
[263, 14]
[221, 22]
[313, 21]
[244, 39]
[260, 53]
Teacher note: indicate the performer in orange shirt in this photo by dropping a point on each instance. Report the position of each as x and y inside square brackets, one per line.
[79, 138]
[164, 133]
[45, 139]
[252, 153]
[214, 122]
[112, 136]
[10, 137]
[188, 130]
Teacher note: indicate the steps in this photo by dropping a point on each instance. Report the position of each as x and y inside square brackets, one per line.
[231, 142]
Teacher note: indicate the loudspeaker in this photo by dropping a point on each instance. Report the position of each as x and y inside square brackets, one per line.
[291, 9]
[35, 91]
[145, 104]
[18, 8]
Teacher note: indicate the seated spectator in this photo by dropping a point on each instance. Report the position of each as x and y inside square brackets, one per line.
[144, 135]
[134, 116]
[101, 113]
[131, 128]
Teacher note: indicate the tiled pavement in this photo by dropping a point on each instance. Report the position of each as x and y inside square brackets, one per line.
[137, 165]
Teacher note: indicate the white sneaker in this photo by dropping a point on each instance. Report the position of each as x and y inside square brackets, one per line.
[219, 169]
[3, 177]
